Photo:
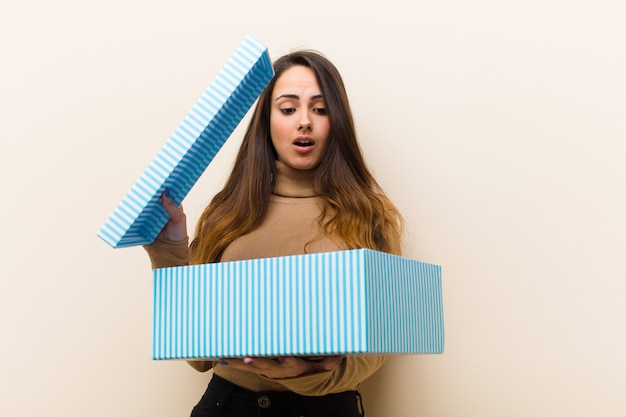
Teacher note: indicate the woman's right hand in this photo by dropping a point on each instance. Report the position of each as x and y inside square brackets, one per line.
[176, 228]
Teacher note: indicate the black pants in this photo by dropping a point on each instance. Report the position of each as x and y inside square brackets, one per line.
[223, 398]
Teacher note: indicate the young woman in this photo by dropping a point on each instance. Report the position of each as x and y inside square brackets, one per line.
[299, 185]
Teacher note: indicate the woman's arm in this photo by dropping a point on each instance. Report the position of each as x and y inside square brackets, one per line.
[346, 376]
[334, 374]
[171, 247]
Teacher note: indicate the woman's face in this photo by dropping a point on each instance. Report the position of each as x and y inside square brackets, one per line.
[299, 125]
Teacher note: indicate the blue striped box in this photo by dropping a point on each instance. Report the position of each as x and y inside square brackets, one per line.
[349, 302]
[139, 217]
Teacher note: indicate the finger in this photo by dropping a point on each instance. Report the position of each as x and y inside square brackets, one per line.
[287, 360]
[175, 212]
[262, 364]
[327, 364]
[250, 364]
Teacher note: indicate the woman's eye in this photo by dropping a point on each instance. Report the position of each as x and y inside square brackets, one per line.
[320, 110]
[287, 110]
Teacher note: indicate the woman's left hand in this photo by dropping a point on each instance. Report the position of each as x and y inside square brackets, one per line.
[283, 367]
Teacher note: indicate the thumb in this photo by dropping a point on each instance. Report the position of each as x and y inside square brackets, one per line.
[175, 212]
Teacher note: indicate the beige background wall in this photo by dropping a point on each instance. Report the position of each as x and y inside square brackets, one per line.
[498, 128]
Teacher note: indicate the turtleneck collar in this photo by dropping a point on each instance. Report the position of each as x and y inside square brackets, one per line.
[293, 183]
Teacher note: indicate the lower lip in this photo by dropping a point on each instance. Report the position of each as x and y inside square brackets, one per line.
[303, 149]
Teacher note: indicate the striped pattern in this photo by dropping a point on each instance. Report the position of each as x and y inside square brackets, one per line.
[348, 302]
[139, 217]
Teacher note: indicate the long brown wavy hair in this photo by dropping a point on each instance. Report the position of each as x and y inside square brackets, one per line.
[355, 210]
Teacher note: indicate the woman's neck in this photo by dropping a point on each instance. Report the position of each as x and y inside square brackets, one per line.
[290, 182]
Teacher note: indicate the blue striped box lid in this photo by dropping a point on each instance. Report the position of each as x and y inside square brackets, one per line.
[348, 302]
[139, 217]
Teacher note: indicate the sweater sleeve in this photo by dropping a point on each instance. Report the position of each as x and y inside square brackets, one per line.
[165, 253]
[346, 376]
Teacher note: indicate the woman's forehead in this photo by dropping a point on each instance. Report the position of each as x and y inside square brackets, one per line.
[296, 82]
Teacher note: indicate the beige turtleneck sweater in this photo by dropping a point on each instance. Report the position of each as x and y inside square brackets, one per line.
[291, 227]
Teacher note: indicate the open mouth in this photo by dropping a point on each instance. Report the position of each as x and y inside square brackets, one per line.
[303, 143]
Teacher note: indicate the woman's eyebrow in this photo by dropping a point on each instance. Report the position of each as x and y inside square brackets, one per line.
[297, 97]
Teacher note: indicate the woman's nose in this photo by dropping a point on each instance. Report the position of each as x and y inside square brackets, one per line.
[305, 124]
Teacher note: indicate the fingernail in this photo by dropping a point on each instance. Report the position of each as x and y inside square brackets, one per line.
[247, 361]
[223, 362]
